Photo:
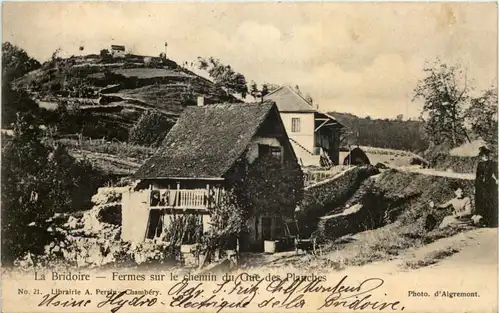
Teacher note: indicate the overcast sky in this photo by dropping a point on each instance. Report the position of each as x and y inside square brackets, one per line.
[363, 58]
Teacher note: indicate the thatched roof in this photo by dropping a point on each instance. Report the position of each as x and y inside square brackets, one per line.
[206, 141]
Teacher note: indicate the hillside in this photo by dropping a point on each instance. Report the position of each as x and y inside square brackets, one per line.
[112, 91]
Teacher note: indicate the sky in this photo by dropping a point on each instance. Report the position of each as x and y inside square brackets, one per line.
[361, 58]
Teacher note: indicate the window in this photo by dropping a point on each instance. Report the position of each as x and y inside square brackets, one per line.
[276, 152]
[295, 125]
[270, 150]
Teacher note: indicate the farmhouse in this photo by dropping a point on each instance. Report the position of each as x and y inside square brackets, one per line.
[314, 135]
[201, 158]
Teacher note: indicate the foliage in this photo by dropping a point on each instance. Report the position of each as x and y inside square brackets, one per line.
[271, 187]
[259, 93]
[383, 133]
[150, 129]
[16, 62]
[14, 102]
[105, 55]
[227, 223]
[37, 181]
[326, 197]
[483, 116]
[444, 100]
[119, 149]
[265, 186]
[459, 164]
[224, 75]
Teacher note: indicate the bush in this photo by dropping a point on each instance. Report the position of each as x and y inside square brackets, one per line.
[151, 129]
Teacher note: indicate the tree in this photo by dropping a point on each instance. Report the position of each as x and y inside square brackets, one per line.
[224, 75]
[16, 62]
[14, 102]
[264, 92]
[400, 117]
[150, 129]
[445, 93]
[259, 93]
[254, 91]
[483, 116]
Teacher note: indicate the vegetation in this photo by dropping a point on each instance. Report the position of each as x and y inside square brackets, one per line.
[228, 222]
[224, 75]
[119, 149]
[271, 187]
[150, 130]
[383, 133]
[483, 116]
[328, 196]
[14, 102]
[37, 181]
[16, 62]
[444, 92]
[443, 162]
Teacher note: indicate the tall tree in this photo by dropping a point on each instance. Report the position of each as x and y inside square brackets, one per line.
[445, 93]
[483, 116]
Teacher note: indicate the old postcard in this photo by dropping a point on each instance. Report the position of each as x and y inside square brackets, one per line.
[249, 157]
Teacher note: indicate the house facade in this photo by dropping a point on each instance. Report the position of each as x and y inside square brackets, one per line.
[193, 168]
[314, 135]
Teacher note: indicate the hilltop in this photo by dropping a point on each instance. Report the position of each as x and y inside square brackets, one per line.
[112, 91]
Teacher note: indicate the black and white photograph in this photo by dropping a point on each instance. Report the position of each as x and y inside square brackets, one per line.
[249, 156]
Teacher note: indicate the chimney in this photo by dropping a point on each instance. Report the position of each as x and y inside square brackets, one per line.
[166, 55]
[201, 101]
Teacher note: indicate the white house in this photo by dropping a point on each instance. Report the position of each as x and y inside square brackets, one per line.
[314, 135]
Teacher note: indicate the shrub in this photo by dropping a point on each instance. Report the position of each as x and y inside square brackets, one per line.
[150, 129]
